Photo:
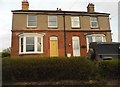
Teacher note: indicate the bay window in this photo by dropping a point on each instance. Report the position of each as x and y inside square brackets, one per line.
[30, 43]
[95, 38]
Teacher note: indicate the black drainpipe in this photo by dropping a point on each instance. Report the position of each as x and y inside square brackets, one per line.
[64, 34]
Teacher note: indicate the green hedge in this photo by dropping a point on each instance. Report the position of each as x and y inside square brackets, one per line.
[36, 69]
[60, 68]
[5, 54]
[110, 69]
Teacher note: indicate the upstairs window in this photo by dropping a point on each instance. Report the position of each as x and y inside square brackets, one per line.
[93, 22]
[75, 22]
[52, 21]
[32, 21]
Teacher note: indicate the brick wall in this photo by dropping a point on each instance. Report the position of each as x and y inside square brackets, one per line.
[46, 43]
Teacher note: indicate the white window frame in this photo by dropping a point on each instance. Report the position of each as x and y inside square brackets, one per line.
[34, 21]
[35, 35]
[56, 21]
[94, 38]
[94, 20]
[74, 21]
[76, 47]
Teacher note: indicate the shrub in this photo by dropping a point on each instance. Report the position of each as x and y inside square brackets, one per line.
[5, 54]
[109, 69]
[36, 69]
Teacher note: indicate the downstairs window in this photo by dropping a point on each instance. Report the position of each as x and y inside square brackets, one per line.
[30, 43]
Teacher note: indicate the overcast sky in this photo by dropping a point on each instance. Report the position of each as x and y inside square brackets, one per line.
[106, 6]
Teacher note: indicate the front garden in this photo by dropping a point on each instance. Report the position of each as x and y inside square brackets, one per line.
[70, 71]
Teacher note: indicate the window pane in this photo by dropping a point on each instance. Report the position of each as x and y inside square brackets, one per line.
[52, 18]
[32, 20]
[39, 44]
[75, 18]
[29, 48]
[52, 21]
[98, 39]
[29, 44]
[93, 19]
[32, 23]
[104, 39]
[30, 40]
[75, 24]
[21, 44]
[90, 39]
[94, 24]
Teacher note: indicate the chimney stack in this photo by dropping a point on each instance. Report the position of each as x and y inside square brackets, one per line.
[25, 5]
[90, 7]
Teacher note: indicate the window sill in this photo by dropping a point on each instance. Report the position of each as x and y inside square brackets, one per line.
[76, 27]
[31, 53]
[95, 28]
[52, 27]
[31, 27]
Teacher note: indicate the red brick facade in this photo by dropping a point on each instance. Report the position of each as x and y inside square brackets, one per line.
[46, 44]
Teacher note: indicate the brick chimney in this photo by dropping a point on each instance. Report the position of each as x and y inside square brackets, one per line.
[90, 7]
[25, 5]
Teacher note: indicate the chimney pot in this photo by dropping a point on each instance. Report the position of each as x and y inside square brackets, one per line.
[25, 5]
[60, 9]
[90, 7]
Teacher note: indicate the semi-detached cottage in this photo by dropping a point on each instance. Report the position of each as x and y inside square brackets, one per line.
[44, 33]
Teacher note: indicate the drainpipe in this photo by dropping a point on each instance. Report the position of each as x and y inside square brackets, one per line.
[64, 34]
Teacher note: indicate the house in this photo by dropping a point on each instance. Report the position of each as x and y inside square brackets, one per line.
[44, 33]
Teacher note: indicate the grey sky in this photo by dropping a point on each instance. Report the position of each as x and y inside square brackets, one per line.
[106, 6]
